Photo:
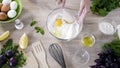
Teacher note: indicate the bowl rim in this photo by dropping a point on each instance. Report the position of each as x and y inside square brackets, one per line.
[81, 27]
[18, 14]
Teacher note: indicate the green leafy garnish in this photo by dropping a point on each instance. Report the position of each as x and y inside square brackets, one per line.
[39, 30]
[33, 23]
[103, 7]
[18, 55]
[114, 46]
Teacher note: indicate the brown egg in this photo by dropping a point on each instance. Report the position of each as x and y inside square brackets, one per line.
[3, 16]
[5, 8]
[0, 5]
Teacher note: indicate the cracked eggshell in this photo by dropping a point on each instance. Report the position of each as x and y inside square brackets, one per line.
[12, 13]
[13, 5]
[6, 2]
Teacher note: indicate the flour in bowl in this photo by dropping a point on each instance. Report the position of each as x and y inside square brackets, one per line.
[63, 25]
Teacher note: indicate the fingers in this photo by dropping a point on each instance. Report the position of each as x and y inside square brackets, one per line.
[61, 3]
[88, 3]
[83, 15]
[84, 9]
[82, 5]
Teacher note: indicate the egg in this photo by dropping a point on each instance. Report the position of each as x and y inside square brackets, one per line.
[1, 5]
[3, 16]
[5, 8]
[6, 1]
[13, 5]
[11, 13]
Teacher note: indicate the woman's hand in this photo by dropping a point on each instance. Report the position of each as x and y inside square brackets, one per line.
[61, 3]
[84, 9]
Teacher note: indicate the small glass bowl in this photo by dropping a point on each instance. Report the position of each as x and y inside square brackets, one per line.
[90, 36]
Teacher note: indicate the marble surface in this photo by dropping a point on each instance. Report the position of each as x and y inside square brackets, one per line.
[39, 10]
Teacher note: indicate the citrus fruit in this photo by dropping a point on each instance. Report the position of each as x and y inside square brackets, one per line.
[4, 35]
[23, 43]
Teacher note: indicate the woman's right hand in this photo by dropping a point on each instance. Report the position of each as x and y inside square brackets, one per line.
[61, 3]
[84, 9]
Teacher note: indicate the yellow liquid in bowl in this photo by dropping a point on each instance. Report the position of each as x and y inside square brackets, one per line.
[88, 41]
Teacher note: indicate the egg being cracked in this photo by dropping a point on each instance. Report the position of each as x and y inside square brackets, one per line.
[13, 5]
[11, 13]
[6, 1]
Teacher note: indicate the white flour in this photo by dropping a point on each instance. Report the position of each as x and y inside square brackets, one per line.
[106, 28]
[66, 31]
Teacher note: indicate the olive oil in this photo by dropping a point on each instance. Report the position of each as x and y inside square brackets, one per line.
[88, 41]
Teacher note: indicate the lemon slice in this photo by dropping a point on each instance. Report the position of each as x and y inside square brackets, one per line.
[58, 22]
[23, 43]
[4, 35]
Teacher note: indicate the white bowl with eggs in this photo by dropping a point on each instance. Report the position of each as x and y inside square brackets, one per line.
[63, 24]
[10, 10]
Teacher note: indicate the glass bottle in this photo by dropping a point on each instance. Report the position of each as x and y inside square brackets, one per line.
[18, 24]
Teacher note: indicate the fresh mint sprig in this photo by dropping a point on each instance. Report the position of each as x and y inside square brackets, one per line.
[39, 30]
[33, 23]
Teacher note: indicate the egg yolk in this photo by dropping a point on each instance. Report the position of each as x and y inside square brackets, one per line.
[58, 22]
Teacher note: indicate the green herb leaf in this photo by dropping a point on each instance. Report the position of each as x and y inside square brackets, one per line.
[33, 23]
[103, 7]
[8, 43]
[114, 46]
[19, 55]
[39, 30]
[42, 32]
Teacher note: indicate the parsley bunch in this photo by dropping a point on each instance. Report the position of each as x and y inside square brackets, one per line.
[114, 46]
[103, 7]
[19, 56]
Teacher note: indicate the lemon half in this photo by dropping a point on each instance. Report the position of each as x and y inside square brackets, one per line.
[4, 35]
[23, 43]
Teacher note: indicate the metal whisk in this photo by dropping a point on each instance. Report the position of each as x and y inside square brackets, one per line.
[56, 52]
